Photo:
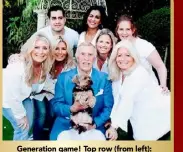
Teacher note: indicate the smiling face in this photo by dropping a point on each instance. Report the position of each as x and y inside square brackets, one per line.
[123, 59]
[57, 21]
[60, 52]
[124, 30]
[85, 58]
[94, 19]
[104, 44]
[40, 51]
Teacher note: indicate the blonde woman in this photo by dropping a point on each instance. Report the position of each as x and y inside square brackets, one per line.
[104, 45]
[61, 61]
[137, 97]
[23, 79]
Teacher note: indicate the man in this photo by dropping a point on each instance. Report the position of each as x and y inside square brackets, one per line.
[56, 28]
[63, 99]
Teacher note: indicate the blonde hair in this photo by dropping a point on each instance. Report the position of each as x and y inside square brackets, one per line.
[28, 63]
[89, 44]
[68, 61]
[114, 70]
[106, 31]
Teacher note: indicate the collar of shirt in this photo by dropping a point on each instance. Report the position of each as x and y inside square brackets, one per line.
[56, 36]
[80, 74]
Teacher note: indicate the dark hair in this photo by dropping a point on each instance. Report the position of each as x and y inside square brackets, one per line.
[55, 8]
[101, 9]
[126, 18]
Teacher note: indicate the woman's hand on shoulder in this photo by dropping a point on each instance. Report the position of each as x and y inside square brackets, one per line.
[14, 58]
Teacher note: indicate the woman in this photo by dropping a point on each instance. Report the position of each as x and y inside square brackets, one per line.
[149, 56]
[136, 96]
[21, 81]
[62, 61]
[104, 45]
[93, 21]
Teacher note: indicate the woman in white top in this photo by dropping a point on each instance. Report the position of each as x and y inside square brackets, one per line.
[93, 21]
[61, 61]
[104, 45]
[23, 79]
[137, 97]
[149, 56]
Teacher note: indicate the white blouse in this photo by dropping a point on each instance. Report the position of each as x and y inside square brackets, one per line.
[139, 99]
[144, 49]
[82, 38]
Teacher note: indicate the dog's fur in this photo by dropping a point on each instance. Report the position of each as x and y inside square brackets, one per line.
[83, 93]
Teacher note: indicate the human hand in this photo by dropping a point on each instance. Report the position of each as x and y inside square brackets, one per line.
[77, 107]
[23, 123]
[111, 133]
[164, 89]
[14, 58]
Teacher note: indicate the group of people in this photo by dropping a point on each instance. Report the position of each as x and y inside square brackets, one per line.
[37, 82]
